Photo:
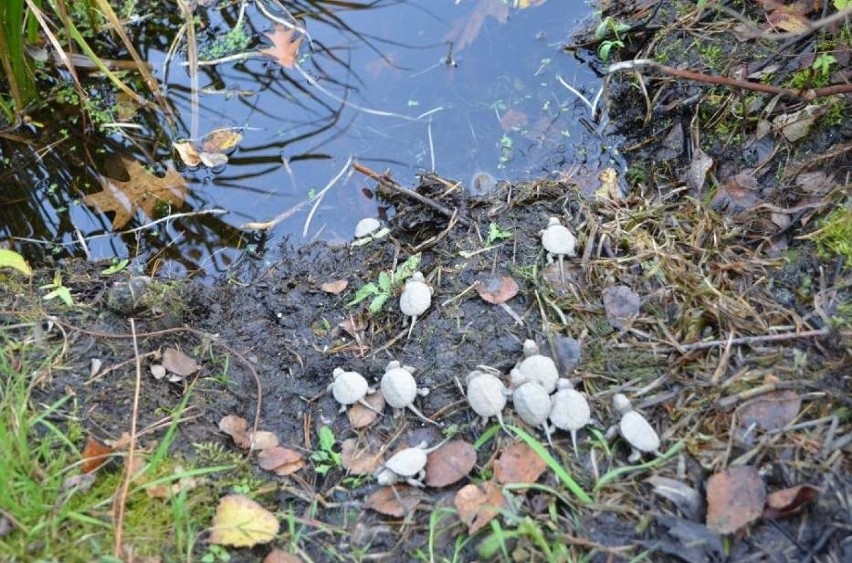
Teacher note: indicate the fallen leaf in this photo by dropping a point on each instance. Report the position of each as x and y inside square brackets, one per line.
[187, 152]
[786, 502]
[393, 501]
[620, 303]
[359, 461]
[280, 460]
[496, 289]
[478, 504]
[450, 463]
[360, 416]
[11, 259]
[179, 363]
[787, 21]
[94, 455]
[519, 464]
[771, 411]
[284, 49]
[221, 140]
[334, 287]
[264, 440]
[237, 428]
[609, 188]
[735, 498]
[816, 183]
[737, 195]
[281, 556]
[95, 367]
[698, 168]
[142, 191]
[796, 125]
[241, 522]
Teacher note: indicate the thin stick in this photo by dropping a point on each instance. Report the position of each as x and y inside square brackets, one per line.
[390, 184]
[758, 339]
[121, 501]
[321, 194]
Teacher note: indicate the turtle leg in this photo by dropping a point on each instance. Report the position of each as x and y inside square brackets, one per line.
[574, 443]
[367, 405]
[411, 328]
[420, 415]
[634, 456]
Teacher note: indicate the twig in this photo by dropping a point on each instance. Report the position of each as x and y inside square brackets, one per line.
[806, 95]
[318, 198]
[129, 465]
[390, 184]
[758, 339]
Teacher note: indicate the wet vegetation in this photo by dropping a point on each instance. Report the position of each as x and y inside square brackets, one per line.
[707, 282]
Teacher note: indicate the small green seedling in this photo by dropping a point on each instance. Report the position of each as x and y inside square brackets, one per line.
[385, 286]
[495, 233]
[115, 267]
[58, 290]
[325, 458]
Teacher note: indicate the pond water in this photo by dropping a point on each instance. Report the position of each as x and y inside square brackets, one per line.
[472, 90]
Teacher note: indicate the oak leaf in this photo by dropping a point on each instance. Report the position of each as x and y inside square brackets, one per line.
[142, 190]
[284, 49]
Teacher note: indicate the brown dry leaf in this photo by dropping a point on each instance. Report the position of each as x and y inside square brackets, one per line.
[519, 464]
[363, 461]
[816, 183]
[386, 501]
[786, 502]
[735, 498]
[284, 49]
[280, 460]
[698, 168]
[187, 152]
[221, 140]
[739, 194]
[496, 289]
[785, 20]
[179, 363]
[620, 303]
[609, 188]
[95, 455]
[142, 190]
[796, 125]
[478, 504]
[450, 463]
[334, 287]
[281, 556]
[237, 428]
[771, 411]
[264, 440]
[360, 416]
[465, 30]
[241, 522]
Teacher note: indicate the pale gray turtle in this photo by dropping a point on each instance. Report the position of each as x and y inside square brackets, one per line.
[535, 367]
[367, 226]
[399, 389]
[532, 403]
[348, 388]
[634, 428]
[416, 297]
[486, 394]
[407, 465]
[569, 410]
[559, 242]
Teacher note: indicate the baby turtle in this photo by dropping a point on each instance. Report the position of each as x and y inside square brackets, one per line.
[415, 299]
[535, 367]
[532, 403]
[559, 242]
[634, 429]
[569, 410]
[399, 389]
[348, 388]
[486, 395]
[367, 226]
[405, 465]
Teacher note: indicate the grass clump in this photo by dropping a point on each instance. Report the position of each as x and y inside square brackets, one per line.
[834, 238]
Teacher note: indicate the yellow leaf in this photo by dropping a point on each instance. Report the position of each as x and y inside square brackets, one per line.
[241, 522]
[220, 140]
[11, 259]
[188, 153]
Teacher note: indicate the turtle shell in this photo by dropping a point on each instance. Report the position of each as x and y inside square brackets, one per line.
[569, 410]
[557, 239]
[349, 387]
[538, 369]
[398, 387]
[415, 299]
[638, 432]
[407, 462]
[486, 394]
[532, 403]
[367, 226]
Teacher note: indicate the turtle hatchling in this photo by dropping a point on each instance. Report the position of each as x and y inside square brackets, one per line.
[399, 389]
[535, 367]
[367, 226]
[486, 395]
[416, 298]
[634, 428]
[559, 242]
[532, 403]
[569, 410]
[407, 465]
[349, 387]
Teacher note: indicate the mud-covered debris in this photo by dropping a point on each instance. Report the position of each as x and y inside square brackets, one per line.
[532, 403]
[348, 387]
[569, 410]
[367, 226]
[634, 428]
[407, 465]
[400, 389]
[128, 297]
[535, 367]
[486, 394]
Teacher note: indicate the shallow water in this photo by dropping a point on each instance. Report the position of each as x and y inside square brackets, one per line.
[377, 84]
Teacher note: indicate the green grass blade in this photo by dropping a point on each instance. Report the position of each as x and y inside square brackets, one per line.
[551, 462]
[610, 476]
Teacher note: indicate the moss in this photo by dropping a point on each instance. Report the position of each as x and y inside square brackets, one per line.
[834, 239]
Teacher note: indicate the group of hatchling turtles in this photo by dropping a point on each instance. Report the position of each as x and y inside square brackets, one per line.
[540, 397]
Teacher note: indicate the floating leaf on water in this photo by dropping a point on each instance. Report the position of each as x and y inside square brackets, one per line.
[221, 140]
[241, 522]
[465, 30]
[188, 153]
[519, 464]
[284, 50]
[786, 502]
[394, 501]
[478, 504]
[735, 498]
[450, 463]
[620, 303]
